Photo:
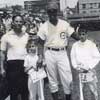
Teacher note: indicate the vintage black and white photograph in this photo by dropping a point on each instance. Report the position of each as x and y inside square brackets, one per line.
[49, 49]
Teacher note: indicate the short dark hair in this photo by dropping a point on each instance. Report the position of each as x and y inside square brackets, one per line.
[82, 30]
[13, 18]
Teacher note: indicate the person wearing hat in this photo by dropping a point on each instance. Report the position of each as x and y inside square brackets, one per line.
[53, 35]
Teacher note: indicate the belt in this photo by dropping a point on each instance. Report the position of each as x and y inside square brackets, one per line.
[55, 49]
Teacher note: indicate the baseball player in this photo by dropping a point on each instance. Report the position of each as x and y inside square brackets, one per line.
[53, 35]
[85, 56]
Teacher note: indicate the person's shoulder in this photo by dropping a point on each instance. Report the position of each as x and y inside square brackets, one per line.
[91, 43]
[45, 23]
[27, 56]
[62, 21]
[7, 34]
[43, 26]
[75, 43]
[11, 32]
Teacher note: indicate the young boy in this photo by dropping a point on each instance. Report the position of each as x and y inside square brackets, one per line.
[84, 57]
[35, 81]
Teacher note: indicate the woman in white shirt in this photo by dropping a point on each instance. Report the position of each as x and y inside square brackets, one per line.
[13, 44]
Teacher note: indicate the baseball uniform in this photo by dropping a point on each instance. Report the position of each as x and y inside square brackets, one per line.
[56, 39]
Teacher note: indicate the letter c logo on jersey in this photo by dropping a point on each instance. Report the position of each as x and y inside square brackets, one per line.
[62, 35]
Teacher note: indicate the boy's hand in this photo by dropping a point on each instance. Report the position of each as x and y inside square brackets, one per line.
[81, 70]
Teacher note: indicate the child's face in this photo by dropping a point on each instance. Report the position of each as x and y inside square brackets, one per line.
[32, 49]
[83, 36]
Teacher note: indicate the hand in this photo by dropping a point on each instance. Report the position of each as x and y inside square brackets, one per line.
[77, 29]
[81, 70]
[44, 64]
[85, 71]
[39, 63]
[3, 72]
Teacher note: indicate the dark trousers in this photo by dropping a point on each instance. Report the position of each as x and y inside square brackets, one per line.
[3, 88]
[17, 80]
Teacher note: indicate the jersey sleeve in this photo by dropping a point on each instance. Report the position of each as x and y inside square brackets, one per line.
[41, 33]
[70, 30]
[4, 43]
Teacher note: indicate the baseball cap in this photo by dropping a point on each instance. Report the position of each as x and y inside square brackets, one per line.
[52, 6]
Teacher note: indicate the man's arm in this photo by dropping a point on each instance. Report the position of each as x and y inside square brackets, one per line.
[2, 59]
[75, 36]
[40, 52]
[40, 44]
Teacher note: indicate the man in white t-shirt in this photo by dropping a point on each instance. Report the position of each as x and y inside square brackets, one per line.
[54, 35]
[13, 45]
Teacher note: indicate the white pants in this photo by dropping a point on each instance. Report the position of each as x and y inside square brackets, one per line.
[58, 62]
[35, 89]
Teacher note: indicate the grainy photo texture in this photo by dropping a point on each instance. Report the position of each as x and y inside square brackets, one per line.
[49, 49]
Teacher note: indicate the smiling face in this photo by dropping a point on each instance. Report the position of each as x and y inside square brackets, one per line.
[31, 48]
[17, 23]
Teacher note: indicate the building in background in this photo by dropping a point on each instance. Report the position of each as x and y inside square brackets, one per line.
[34, 5]
[89, 7]
[37, 5]
[88, 14]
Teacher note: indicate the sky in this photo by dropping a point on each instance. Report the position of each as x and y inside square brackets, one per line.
[71, 3]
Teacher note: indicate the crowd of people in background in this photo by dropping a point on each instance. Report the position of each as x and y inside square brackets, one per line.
[31, 23]
[22, 35]
[15, 32]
